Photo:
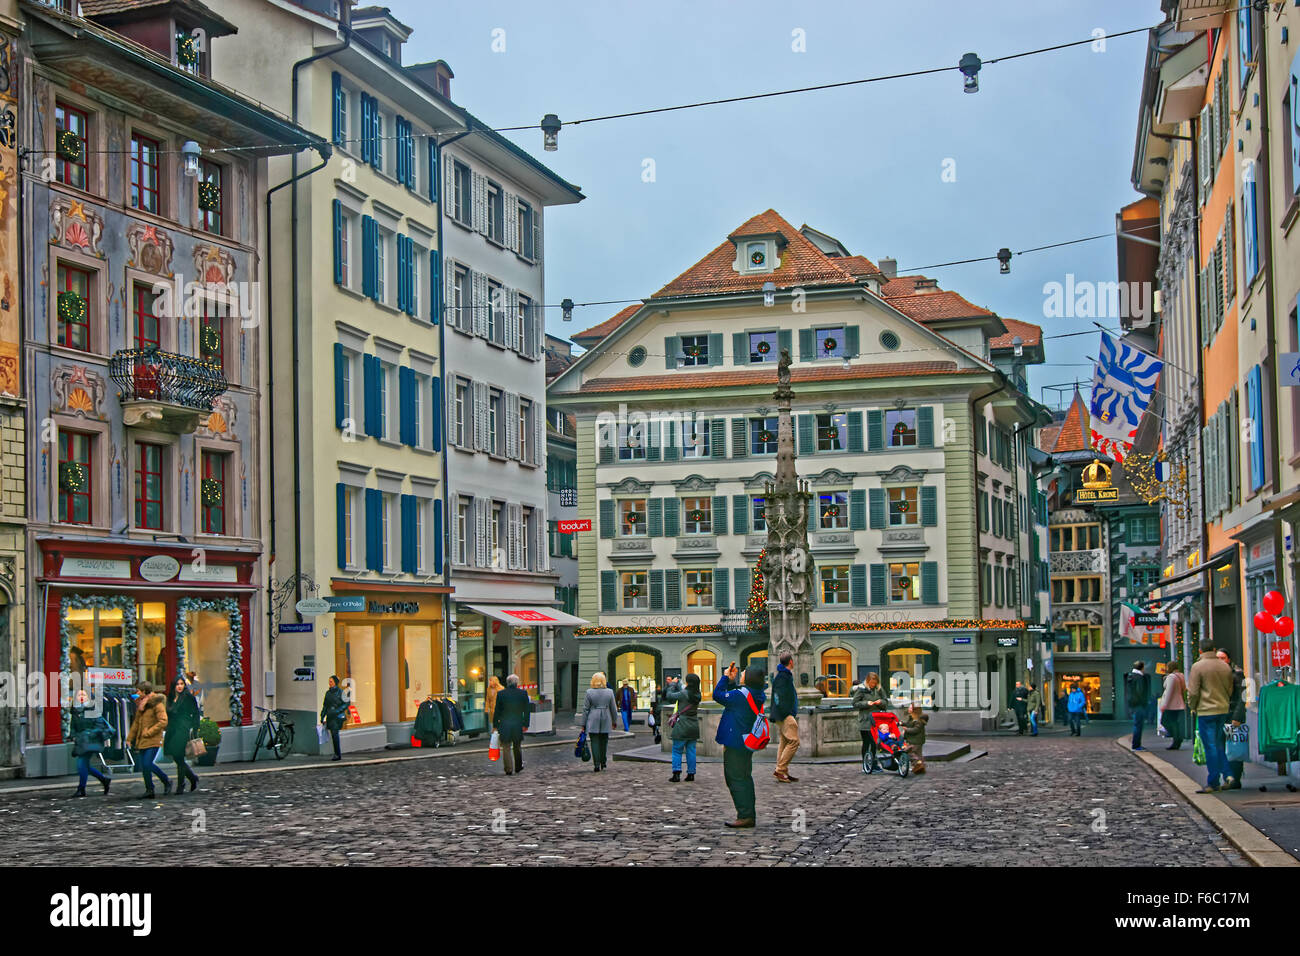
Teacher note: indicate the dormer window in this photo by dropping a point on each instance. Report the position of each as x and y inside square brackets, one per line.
[757, 254]
[757, 257]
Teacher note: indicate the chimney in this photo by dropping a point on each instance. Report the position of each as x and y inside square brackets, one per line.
[889, 267]
[926, 285]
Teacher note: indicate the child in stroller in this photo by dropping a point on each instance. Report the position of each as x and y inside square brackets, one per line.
[889, 755]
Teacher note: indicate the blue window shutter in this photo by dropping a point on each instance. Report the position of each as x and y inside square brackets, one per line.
[1255, 402]
[367, 128]
[877, 508]
[925, 426]
[336, 131]
[399, 149]
[879, 584]
[437, 536]
[858, 585]
[374, 530]
[855, 432]
[408, 533]
[401, 273]
[1251, 232]
[367, 259]
[858, 509]
[410, 276]
[340, 361]
[370, 383]
[929, 506]
[740, 514]
[406, 406]
[338, 240]
[875, 429]
[434, 170]
[341, 498]
[435, 411]
[435, 288]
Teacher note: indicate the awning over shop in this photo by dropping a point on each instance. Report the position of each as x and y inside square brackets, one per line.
[522, 615]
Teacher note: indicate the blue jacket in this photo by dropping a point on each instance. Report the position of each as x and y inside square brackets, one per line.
[737, 717]
[1076, 702]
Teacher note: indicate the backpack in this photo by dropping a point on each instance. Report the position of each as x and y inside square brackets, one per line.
[758, 735]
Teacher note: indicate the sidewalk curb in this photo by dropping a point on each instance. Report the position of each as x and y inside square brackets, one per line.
[325, 764]
[1259, 849]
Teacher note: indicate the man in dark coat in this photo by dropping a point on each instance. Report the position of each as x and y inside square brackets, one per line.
[1020, 704]
[785, 708]
[1137, 690]
[333, 713]
[510, 719]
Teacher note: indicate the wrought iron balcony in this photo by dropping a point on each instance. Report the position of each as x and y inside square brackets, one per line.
[163, 390]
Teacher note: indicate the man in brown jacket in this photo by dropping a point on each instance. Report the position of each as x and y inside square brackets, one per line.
[145, 737]
[1209, 693]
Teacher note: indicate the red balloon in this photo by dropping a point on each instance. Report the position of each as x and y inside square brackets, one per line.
[1264, 622]
[1274, 602]
[1283, 627]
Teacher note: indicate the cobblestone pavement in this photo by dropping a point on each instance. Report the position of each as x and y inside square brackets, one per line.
[1029, 801]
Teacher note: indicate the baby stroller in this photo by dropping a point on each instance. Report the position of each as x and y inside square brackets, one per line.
[889, 755]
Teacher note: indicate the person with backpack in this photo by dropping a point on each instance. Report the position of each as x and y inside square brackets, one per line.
[684, 726]
[1137, 691]
[742, 730]
[1077, 706]
[88, 736]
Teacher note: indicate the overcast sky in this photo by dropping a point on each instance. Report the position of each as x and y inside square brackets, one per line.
[1042, 153]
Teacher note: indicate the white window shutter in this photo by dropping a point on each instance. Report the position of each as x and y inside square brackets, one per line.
[482, 511]
[512, 319]
[538, 327]
[537, 235]
[450, 418]
[540, 550]
[539, 429]
[480, 202]
[510, 205]
[512, 429]
[500, 314]
[481, 417]
[449, 292]
[480, 304]
[454, 501]
[449, 183]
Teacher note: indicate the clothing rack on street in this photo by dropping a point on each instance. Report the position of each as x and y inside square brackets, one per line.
[1282, 679]
[119, 711]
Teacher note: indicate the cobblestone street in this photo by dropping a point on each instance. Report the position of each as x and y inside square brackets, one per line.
[1030, 801]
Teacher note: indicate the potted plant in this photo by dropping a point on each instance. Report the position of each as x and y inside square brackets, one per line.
[210, 734]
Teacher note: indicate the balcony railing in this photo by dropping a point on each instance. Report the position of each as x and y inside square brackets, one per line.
[163, 390]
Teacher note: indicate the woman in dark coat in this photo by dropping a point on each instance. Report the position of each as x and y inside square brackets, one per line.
[685, 723]
[333, 711]
[88, 736]
[182, 724]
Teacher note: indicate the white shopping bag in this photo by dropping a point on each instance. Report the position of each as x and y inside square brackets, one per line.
[322, 735]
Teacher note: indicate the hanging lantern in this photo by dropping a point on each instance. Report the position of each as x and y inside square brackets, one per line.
[970, 68]
[550, 132]
[72, 476]
[68, 146]
[72, 308]
[210, 491]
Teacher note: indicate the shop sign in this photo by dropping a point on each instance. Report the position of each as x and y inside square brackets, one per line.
[214, 573]
[1008, 642]
[1288, 364]
[1150, 619]
[568, 497]
[396, 607]
[1280, 652]
[95, 568]
[304, 628]
[160, 567]
[961, 640]
[346, 603]
[110, 675]
[1096, 494]
[310, 607]
[578, 524]
[529, 615]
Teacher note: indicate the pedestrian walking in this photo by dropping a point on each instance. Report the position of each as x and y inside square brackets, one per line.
[740, 704]
[1173, 705]
[913, 724]
[1137, 692]
[88, 736]
[1236, 717]
[333, 713]
[182, 725]
[626, 703]
[598, 715]
[510, 719]
[1076, 706]
[493, 689]
[684, 725]
[1209, 694]
[1034, 703]
[1020, 704]
[868, 698]
[146, 736]
[785, 708]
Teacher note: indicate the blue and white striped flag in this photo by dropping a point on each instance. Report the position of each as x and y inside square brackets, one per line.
[1122, 385]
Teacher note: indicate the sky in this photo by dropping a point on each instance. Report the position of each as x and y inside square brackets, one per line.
[1041, 154]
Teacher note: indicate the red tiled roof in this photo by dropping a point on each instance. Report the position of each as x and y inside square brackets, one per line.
[598, 332]
[762, 376]
[104, 8]
[928, 306]
[901, 285]
[857, 265]
[1047, 437]
[1029, 333]
[802, 264]
[1075, 428]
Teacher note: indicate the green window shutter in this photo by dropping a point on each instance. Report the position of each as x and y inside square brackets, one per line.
[608, 591]
[984, 512]
[875, 429]
[929, 582]
[656, 590]
[715, 348]
[855, 433]
[719, 514]
[672, 590]
[607, 518]
[655, 517]
[721, 589]
[814, 512]
[653, 430]
[807, 427]
[671, 440]
[929, 506]
[858, 509]
[740, 514]
[672, 518]
[783, 339]
[877, 508]
[925, 426]
[852, 335]
[996, 508]
[740, 346]
[739, 438]
[671, 348]
[858, 585]
[743, 578]
[879, 584]
[807, 351]
[604, 444]
[718, 438]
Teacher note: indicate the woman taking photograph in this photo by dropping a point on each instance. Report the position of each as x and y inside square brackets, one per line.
[182, 725]
[598, 716]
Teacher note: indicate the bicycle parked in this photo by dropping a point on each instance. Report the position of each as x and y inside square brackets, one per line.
[276, 733]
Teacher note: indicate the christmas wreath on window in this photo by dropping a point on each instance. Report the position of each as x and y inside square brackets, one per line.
[693, 351]
[905, 584]
[764, 347]
[634, 591]
[632, 517]
[829, 344]
[700, 589]
[72, 476]
[210, 338]
[902, 505]
[209, 195]
[72, 308]
[187, 49]
[832, 433]
[832, 511]
[832, 585]
[696, 515]
[765, 436]
[210, 492]
[67, 145]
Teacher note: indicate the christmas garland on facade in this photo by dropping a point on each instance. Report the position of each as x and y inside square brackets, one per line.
[950, 625]
[101, 602]
[234, 647]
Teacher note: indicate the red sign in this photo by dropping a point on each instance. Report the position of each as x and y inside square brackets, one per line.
[528, 615]
[578, 524]
[1281, 653]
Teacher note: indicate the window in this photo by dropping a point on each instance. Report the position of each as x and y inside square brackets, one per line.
[698, 513]
[212, 197]
[1142, 580]
[632, 515]
[904, 588]
[1079, 537]
[1144, 530]
[526, 241]
[74, 330]
[699, 588]
[758, 513]
[76, 477]
[149, 486]
[345, 250]
[417, 256]
[417, 409]
[902, 506]
[835, 665]
[495, 312]
[832, 432]
[381, 265]
[832, 510]
[387, 525]
[212, 493]
[525, 429]
[696, 438]
[763, 435]
[351, 526]
[496, 229]
[461, 208]
[462, 530]
[496, 418]
[830, 342]
[421, 507]
[144, 173]
[631, 444]
[72, 172]
[900, 427]
[460, 411]
[521, 321]
[1076, 590]
[460, 299]
[635, 597]
[148, 335]
[695, 350]
[1083, 639]
[835, 584]
[763, 347]
[756, 257]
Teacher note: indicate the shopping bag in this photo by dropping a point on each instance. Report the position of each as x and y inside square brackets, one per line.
[322, 734]
[1237, 747]
[195, 747]
[494, 746]
[582, 751]
[1161, 729]
[1198, 751]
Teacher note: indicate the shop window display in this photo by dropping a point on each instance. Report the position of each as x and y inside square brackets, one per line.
[96, 637]
[357, 657]
[471, 671]
[417, 667]
[207, 653]
[151, 638]
[1090, 684]
[638, 669]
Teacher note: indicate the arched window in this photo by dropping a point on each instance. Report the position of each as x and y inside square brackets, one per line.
[704, 663]
[756, 655]
[639, 667]
[835, 665]
[914, 660]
